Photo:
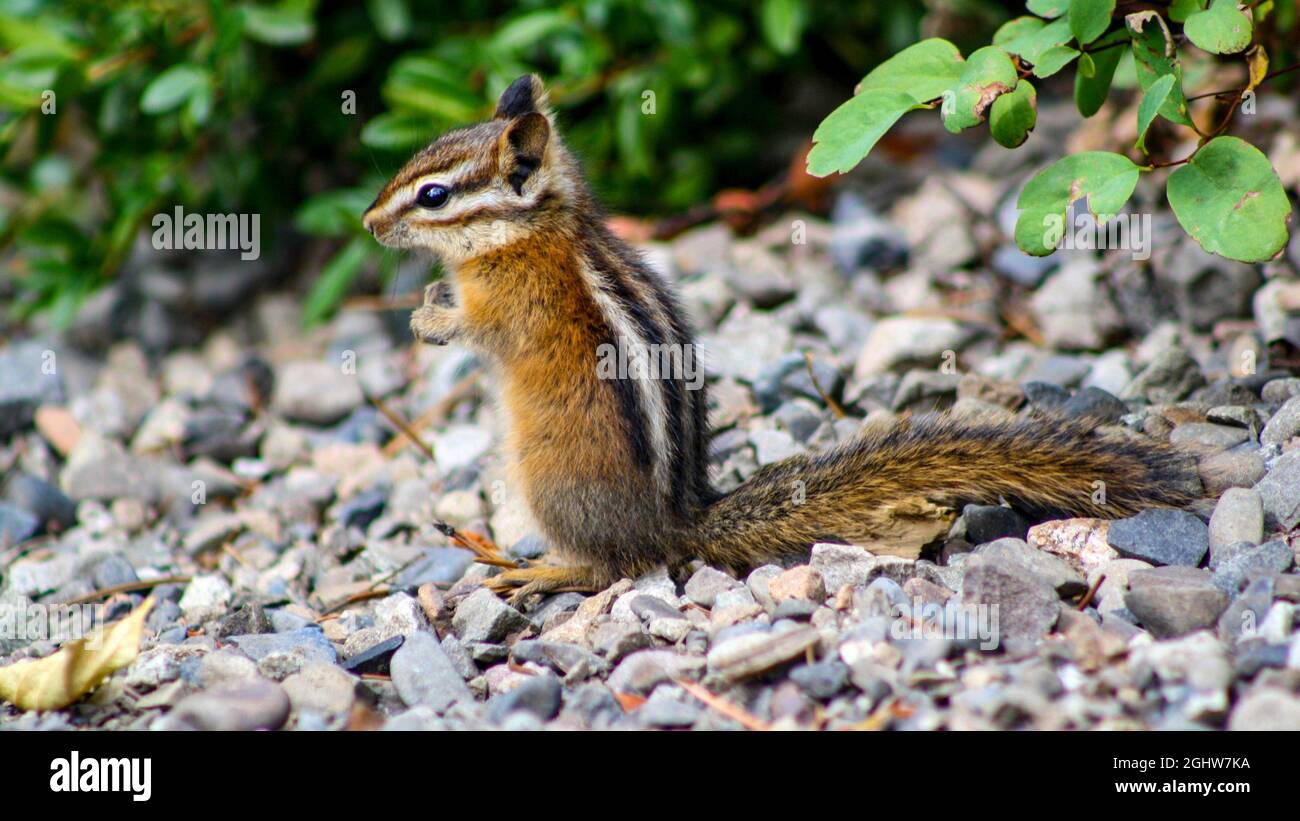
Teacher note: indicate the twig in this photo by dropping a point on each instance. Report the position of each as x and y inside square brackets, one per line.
[484, 551]
[830, 403]
[1240, 91]
[435, 414]
[1092, 591]
[401, 424]
[726, 708]
[129, 587]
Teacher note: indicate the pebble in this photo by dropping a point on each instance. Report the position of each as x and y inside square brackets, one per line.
[1081, 542]
[1266, 709]
[1161, 536]
[253, 705]
[1174, 601]
[307, 645]
[1221, 471]
[1055, 571]
[1245, 561]
[1238, 517]
[902, 340]
[839, 565]
[706, 584]
[206, 597]
[1280, 492]
[538, 695]
[642, 671]
[752, 653]
[1027, 606]
[315, 392]
[1284, 424]
[424, 674]
[320, 688]
[481, 616]
[801, 582]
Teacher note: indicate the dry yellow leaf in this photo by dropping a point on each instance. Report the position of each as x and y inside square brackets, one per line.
[77, 668]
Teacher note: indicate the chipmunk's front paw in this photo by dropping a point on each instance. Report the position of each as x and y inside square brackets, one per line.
[435, 324]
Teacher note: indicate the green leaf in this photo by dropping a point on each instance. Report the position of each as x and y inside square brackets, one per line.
[1089, 19]
[1016, 30]
[1230, 200]
[989, 73]
[1107, 181]
[173, 87]
[1180, 10]
[335, 280]
[1151, 102]
[1014, 115]
[924, 70]
[1053, 60]
[1048, 8]
[1220, 29]
[284, 24]
[783, 23]
[1090, 91]
[334, 213]
[917, 74]
[1155, 56]
[850, 132]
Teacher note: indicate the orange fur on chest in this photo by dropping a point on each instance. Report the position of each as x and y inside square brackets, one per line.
[538, 320]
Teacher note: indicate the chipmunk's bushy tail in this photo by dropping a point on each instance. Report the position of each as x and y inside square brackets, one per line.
[897, 489]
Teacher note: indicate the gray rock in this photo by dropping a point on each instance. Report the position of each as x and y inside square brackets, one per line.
[1211, 436]
[320, 688]
[1095, 403]
[1238, 517]
[1053, 570]
[206, 597]
[989, 523]
[1280, 492]
[1162, 536]
[822, 680]
[642, 671]
[902, 340]
[319, 393]
[1242, 617]
[1172, 374]
[41, 499]
[570, 661]
[481, 616]
[1266, 709]
[752, 653]
[253, 705]
[1174, 601]
[706, 584]
[1283, 425]
[423, 673]
[1220, 471]
[16, 525]
[29, 377]
[539, 695]
[841, 564]
[308, 645]
[1027, 606]
[1246, 561]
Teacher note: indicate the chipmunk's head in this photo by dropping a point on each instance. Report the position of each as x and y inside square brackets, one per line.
[480, 187]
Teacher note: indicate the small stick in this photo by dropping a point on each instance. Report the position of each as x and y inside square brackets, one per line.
[485, 552]
[129, 587]
[1092, 591]
[830, 403]
[401, 424]
[726, 708]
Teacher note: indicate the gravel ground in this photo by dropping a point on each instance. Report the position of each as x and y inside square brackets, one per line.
[245, 459]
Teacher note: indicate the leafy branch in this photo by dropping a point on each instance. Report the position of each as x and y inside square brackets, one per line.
[1225, 193]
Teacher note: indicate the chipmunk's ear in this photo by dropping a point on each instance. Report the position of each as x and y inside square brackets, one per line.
[522, 147]
[524, 96]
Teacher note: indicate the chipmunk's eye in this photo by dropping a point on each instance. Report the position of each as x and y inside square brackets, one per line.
[432, 196]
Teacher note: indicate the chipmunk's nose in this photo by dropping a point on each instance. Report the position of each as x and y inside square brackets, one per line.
[368, 221]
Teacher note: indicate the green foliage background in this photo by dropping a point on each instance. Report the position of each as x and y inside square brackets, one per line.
[239, 107]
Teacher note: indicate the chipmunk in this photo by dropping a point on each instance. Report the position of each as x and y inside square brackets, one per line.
[615, 471]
